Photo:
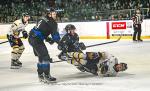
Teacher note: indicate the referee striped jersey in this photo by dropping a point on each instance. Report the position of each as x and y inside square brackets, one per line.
[137, 19]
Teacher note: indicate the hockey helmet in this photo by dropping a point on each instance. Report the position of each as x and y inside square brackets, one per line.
[70, 27]
[49, 10]
[25, 14]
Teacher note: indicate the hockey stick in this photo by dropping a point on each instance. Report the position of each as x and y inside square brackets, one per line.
[95, 45]
[58, 61]
[86, 69]
[105, 42]
[7, 41]
[3, 42]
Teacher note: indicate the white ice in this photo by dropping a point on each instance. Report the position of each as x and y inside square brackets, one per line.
[136, 78]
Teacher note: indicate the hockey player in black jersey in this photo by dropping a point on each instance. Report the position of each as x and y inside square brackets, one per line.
[70, 43]
[45, 26]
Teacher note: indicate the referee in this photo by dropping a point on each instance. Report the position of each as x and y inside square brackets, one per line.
[137, 20]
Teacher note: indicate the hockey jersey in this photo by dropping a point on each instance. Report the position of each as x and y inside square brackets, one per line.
[110, 61]
[17, 27]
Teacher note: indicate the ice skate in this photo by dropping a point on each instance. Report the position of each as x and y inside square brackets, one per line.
[19, 63]
[49, 79]
[14, 64]
[134, 40]
[41, 78]
[82, 69]
[140, 40]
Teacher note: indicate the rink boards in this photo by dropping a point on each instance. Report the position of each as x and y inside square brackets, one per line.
[95, 30]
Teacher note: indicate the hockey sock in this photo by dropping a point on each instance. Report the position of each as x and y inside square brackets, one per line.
[77, 55]
[14, 53]
[20, 51]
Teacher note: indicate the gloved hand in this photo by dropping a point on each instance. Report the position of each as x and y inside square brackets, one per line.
[82, 46]
[49, 40]
[104, 67]
[51, 60]
[63, 56]
[25, 34]
[76, 45]
[10, 37]
[63, 47]
[55, 37]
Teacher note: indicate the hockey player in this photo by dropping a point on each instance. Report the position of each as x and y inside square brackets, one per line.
[14, 40]
[45, 26]
[97, 63]
[70, 43]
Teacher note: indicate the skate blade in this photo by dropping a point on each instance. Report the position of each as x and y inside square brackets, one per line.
[46, 82]
[15, 67]
[41, 80]
[81, 70]
[49, 82]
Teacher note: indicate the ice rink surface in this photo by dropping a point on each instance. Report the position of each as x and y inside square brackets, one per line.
[136, 78]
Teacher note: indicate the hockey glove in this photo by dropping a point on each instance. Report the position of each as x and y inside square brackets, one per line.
[76, 45]
[25, 34]
[10, 37]
[55, 37]
[104, 67]
[63, 47]
[49, 40]
[82, 46]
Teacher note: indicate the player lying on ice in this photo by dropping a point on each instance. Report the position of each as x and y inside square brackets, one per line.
[97, 63]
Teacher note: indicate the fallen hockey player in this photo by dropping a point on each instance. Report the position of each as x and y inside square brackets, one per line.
[97, 63]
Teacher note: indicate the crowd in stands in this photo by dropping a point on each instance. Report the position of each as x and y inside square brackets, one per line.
[73, 10]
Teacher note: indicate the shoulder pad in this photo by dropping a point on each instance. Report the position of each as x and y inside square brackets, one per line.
[17, 22]
[45, 19]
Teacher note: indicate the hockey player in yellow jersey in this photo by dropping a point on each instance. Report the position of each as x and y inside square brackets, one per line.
[15, 41]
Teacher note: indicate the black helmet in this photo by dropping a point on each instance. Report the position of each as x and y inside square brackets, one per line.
[25, 14]
[49, 10]
[70, 27]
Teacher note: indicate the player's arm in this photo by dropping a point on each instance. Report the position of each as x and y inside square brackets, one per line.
[77, 37]
[63, 44]
[14, 28]
[79, 45]
[133, 19]
[55, 37]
